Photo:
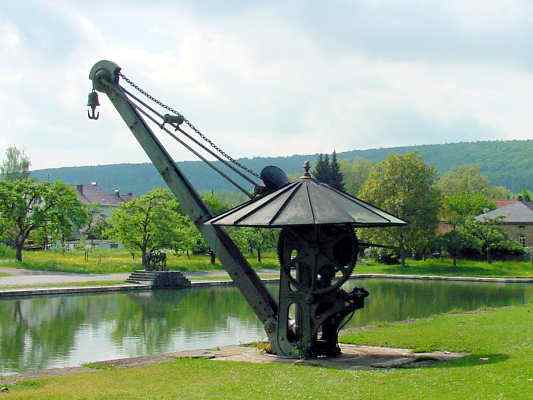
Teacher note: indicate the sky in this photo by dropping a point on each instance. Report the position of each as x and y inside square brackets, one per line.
[268, 78]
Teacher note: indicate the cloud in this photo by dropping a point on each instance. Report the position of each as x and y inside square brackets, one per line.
[267, 78]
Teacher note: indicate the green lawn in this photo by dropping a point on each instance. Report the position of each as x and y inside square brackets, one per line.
[445, 267]
[503, 336]
[108, 261]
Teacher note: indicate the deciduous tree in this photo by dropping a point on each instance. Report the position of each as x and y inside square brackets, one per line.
[27, 205]
[149, 222]
[456, 208]
[464, 179]
[355, 174]
[15, 165]
[404, 186]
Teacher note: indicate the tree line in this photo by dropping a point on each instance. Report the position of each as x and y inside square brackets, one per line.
[402, 184]
[406, 186]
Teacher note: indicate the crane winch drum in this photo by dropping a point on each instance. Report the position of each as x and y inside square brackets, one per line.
[317, 245]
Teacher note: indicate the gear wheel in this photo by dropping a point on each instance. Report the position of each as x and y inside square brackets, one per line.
[330, 250]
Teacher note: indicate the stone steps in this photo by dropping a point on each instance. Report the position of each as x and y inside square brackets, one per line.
[159, 279]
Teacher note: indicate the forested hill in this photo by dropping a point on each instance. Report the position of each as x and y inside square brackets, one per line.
[506, 163]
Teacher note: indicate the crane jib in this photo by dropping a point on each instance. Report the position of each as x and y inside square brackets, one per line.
[105, 77]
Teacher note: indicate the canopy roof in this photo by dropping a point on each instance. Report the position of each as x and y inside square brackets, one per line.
[306, 202]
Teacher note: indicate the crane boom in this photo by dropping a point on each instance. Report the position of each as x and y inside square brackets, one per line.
[105, 77]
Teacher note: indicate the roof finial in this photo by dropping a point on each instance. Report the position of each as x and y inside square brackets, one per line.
[307, 167]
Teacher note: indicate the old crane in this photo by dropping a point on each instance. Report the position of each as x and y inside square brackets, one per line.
[317, 245]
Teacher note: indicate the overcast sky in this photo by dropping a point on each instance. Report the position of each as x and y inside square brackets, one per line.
[267, 78]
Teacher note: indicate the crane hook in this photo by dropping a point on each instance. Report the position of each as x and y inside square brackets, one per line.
[93, 103]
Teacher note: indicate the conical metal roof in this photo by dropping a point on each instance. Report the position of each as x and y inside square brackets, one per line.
[306, 202]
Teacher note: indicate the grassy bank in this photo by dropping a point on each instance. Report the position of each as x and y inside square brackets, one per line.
[500, 367]
[444, 267]
[109, 261]
[102, 261]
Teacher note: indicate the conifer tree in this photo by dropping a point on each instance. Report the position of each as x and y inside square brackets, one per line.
[321, 170]
[328, 171]
[336, 176]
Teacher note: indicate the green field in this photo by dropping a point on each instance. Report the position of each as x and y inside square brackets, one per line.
[500, 366]
[102, 261]
[444, 267]
[109, 261]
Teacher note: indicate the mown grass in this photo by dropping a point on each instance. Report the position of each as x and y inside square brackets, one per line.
[110, 261]
[103, 261]
[500, 366]
[444, 267]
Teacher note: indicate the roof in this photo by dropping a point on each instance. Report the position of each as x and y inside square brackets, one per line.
[306, 202]
[517, 212]
[93, 194]
[503, 203]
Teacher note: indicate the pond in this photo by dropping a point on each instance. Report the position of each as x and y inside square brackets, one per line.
[59, 331]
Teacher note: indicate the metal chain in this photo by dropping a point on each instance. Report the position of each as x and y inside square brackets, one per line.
[189, 124]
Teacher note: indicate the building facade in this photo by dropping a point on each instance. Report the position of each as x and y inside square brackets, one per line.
[515, 217]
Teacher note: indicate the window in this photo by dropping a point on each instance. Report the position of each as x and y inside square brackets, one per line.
[523, 240]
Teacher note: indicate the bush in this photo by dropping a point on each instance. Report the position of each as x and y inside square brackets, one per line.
[388, 256]
[508, 249]
[6, 251]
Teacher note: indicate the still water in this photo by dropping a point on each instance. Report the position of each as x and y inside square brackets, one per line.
[58, 331]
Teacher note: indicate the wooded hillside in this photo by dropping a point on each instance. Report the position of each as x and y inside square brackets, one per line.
[505, 163]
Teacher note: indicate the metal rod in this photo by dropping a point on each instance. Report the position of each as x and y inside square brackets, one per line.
[191, 138]
[191, 149]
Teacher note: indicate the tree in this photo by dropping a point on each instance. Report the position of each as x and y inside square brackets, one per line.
[329, 172]
[487, 234]
[525, 195]
[97, 225]
[27, 205]
[68, 214]
[404, 186]
[499, 193]
[355, 174]
[15, 165]
[464, 179]
[456, 208]
[453, 243]
[321, 170]
[189, 239]
[258, 239]
[149, 222]
[336, 176]
[216, 206]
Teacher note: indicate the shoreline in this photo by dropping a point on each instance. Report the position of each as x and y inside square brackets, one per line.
[22, 292]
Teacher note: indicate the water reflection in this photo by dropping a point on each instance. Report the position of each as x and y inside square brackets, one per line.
[53, 331]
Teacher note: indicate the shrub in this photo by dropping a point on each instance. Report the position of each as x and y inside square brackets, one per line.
[6, 251]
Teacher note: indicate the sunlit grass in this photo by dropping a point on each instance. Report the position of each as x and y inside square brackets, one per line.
[500, 343]
[443, 266]
[115, 260]
[103, 261]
